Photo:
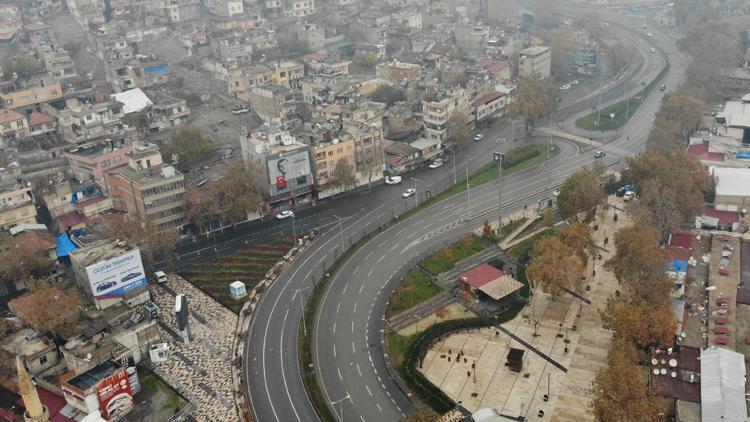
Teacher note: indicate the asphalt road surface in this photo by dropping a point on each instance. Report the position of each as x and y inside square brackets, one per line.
[348, 356]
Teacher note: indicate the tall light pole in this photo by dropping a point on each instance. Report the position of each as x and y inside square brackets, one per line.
[453, 153]
[341, 231]
[499, 157]
[294, 231]
[549, 166]
[468, 190]
[416, 194]
[302, 307]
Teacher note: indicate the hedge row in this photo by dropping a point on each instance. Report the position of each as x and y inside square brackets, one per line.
[520, 154]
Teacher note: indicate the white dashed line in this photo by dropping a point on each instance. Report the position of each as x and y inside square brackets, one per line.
[355, 307]
[381, 258]
[360, 288]
[345, 286]
[334, 350]
[394, 247]
[359, 370]
[379, 408]
[355, 270]
[363, 418]
[353, 349]
[368, 390]
[370, 273]
[368, 255]
[352, 326]
[337, 307]
[339, 371]
[334, 327]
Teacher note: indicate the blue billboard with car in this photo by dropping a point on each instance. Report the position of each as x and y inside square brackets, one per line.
[116, 276]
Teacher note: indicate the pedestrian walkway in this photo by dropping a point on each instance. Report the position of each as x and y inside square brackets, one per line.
[558, 335]
[202, 367]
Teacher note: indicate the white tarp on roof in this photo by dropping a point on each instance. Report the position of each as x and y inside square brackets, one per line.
[723, 386]
[732, 181]
[133, 100]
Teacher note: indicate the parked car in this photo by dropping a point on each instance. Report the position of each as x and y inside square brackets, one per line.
[160, 277]
[662, 87]
[284, 214]
[240, 109]
[652, 49]
[565, 87]
[409, 192]
[152, 311]
[436, 163]
[628, 196]
[574, 82]
[478, 137]
[599, 154]
[392, 180]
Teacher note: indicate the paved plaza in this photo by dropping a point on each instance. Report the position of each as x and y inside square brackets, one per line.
[202, 367]
[567, 322]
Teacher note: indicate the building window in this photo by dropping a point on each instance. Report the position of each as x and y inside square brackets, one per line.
[43, 359]
[6, 126]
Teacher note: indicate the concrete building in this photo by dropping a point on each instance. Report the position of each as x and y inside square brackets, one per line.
[297, 8]
[225, 7]
[16, 204]
[288, 74]
[232, 48]
[398, 72]
[369, 148]
[13, 125]
[149, 189]
[732, 188]
[537, 59]
[313, 36]
[10, 23]
[36, 351]
[32, 96]
[58, 63]
[723, 385]
[86, 391]
[274, 104]
[286, 165]
[41, 124]
[437, 113]
[326, 154]
[83, 120]
[89, 162]
[471, 39]
[489, 106]
[166, 112]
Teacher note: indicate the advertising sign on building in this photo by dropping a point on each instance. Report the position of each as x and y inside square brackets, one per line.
[584, 57]
[116, 276]
[290, 171]
[114, 394]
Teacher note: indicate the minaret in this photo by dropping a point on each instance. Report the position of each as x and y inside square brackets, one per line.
[35, 410]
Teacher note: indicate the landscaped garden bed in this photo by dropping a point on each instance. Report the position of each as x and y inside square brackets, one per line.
[248, 265]
[445, 259]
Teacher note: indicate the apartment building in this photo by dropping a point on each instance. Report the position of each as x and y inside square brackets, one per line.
[82, 119]
[32, 96]
[437, 113]
[90, 162]
[369, 150]
[297, 8]
[58, 63]
[41, 123]
[166, 112]
[13, 125]
[273, 103]
[535, 60]
[489, 106]
[288, 74]
[16, 204]
[150, 189]
[225, 7]
[398, 72]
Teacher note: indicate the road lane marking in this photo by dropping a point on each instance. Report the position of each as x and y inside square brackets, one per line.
[394, 247]
[355, 307]
[334, 349]
[353, 349]
[360, 288]
[379, 408]
[370, 273]
[368, 255]
[345, 286]
[368, 390]
[339, 371]
[355, 270]
[381, 258]
[334, 327]
[337, 307]
[352, 326]
[359, 370]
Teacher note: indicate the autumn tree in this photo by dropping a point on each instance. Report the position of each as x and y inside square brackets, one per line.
[154, 246]
[23, 256]
[621, 391]
[49, 308]
[581, 192]
[677, 116]
[639, 264]
[190, 145]
[536, 98]
[548, 218]
[562, 43]
[643, 324]
[671, 187]
[579, 238]
[555, 266]
[201, 204]
[343, 175]
[239, 191]
[458, 127]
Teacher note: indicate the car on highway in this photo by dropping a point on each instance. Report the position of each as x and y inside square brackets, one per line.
[662, 87]
[409, 192]
[565, 87]
[436, 163]
[599, 154]
[131, 276]
[284, 214]
[392, 180]
[652, 49]
[574, 82]
[649, 34]
[478, 137]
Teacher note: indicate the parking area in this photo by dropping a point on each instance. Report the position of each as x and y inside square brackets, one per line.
[202, 367]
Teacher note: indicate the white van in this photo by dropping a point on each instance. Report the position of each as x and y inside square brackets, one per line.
[160, 277]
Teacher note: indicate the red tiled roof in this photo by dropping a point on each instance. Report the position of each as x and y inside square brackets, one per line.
[701, 152]
[681, 240]
[494, 65]
[725, 217]
[392, 160]
[679, 254]
[71, 219]
[37, 118]
[481, 275]
[492, 96]
[10, 116]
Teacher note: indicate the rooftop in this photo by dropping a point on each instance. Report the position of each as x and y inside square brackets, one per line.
[38, 118]
[535, 50]
[100, 251]
[732, 181]
[93, 376]
[722, 385]
[133, 100]
[703, 152]
[149, 175]
[7, 116]
[488, 98]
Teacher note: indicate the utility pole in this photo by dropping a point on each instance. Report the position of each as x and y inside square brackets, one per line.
[294, 231]
[549, 166]
[468, 190]
[453, 153]
[499, 157]
[302, 307]
[416, 194]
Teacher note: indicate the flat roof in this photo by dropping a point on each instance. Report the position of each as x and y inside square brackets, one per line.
[723, 385]
[133, 100]
[100, 251]
[732, 181]
[93, 376]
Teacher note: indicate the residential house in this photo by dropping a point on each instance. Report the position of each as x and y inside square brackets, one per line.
[732, 188]
[297, 8]
[41, 124]
[16, 204]
[58, 63]
[312, 36]
[490, 106]
[13, 125]
[401, 157]
[436, 113]
[288, 74]
[40, 94]
[89, 162]
[225, 7]
[273, 103]
[36, 351]
[398, 72]
[166, 112]
[11, 23]
[369, 149]
[326, 154]
[149, 189]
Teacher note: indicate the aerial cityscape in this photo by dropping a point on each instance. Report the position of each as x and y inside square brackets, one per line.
[375, 211]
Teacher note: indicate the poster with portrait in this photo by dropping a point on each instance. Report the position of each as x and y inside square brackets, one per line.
[292, 166]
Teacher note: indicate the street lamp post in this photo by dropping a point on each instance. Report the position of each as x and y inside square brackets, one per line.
[468, 190]
[499, 157]
[341, 401]
[302, 307]
[453, 153]
[549, 166]
[294, 231]
[416, 194]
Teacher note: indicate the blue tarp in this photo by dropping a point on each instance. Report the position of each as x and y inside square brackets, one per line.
[743, 155]
[678, 266]
[64, 245]
[155, 69]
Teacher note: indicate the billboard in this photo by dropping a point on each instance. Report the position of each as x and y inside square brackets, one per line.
[113, 277]
[290, 170]
[115, 395]
[584, 57]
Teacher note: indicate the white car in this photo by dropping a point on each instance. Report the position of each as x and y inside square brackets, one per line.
[628, 196]
[574, 82]
[478, 137]
[240, 109]
[409, 192]
[284, 214]
[648, 34]
[565, 87]
[599, 154]
[392, 180]
[435, 164]
[653, 50]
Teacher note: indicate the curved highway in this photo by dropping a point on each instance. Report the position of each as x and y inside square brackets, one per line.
[348, 358]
